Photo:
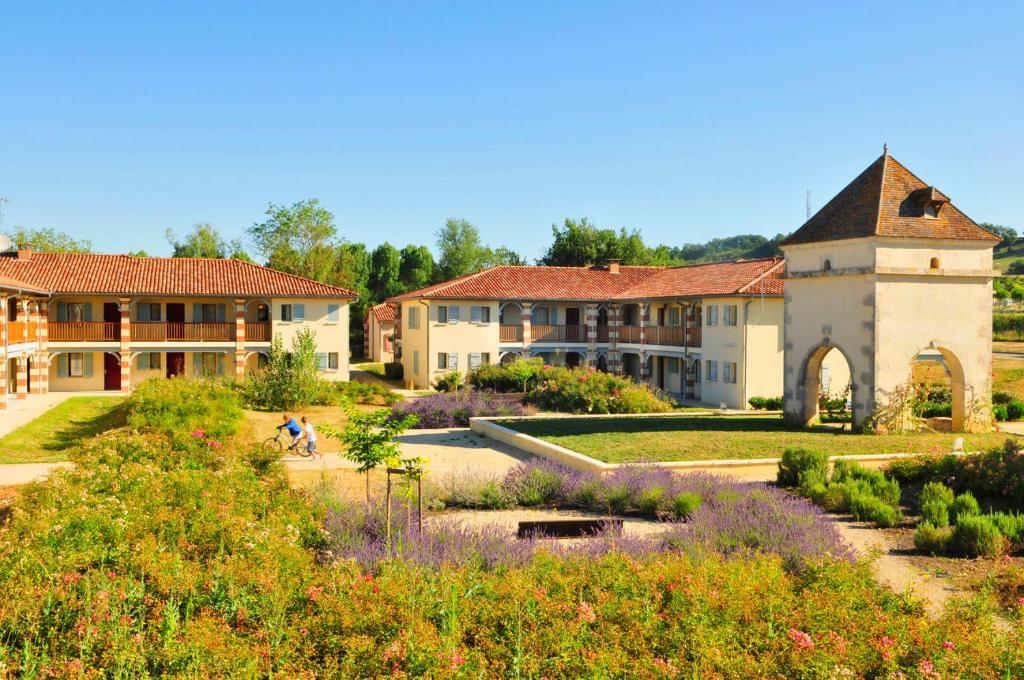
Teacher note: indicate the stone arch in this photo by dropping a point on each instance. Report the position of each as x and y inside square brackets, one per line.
[508, 357]
[574, 359]
[601, 363]
[958, 382]
[810, 380]
[510, 313]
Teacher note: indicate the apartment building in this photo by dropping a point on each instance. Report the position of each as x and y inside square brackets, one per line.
[74, 322]
[710, 333]
[379, 333]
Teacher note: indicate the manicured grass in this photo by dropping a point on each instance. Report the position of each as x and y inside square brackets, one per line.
[1008, 376]
[48, 438]
[632, 439]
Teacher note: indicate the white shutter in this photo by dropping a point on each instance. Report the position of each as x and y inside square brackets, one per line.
[453, 314]
[474, 360]
[453, 362]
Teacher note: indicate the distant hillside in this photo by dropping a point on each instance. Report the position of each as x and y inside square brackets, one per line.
[743, 246]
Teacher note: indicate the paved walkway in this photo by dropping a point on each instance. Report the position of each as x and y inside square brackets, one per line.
[21, 411]
[359, 375]
[23, 473]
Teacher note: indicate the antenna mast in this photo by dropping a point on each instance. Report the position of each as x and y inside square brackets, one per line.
[807, 204]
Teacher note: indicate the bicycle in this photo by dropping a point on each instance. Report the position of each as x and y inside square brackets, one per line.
[283, 444]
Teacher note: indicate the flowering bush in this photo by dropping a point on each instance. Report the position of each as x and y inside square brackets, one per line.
[997, 473]
[455, 409]
[518, 376]
[584, 390]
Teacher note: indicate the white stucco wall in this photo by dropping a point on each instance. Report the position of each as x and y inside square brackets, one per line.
[330, 336]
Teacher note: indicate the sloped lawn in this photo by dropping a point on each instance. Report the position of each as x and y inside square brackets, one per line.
[48, 438]
[632, 439]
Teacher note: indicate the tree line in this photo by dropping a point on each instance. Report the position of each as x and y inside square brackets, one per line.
[303, 239]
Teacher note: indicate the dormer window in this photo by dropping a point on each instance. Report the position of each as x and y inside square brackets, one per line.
[929, 201]
[826, 266]
[931, 210]
[934, 264]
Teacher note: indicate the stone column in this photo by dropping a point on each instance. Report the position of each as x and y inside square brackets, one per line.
[35, 379]
[126, 345]
[645, 372]
[3, 352]
[527, 317]
[645, 320]
[21, 378]
[42, 338]
[239, 339]
[591, 334]
[614, 324]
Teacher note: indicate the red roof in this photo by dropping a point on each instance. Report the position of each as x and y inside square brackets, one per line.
[129, 275]
[888, 200]
[742, 277]
[8, 283]
[383, 312]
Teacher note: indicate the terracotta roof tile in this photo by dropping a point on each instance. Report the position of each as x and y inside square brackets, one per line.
[7, 283]
[128, 275]
[383, 312]
[598, 284]
[887, 200]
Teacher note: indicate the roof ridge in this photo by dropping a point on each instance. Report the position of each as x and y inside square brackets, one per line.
[276, 271]
[762, 276]
[881, 191]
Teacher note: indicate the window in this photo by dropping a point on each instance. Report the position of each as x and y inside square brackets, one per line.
[210, 363]
[542, 316]
[480, 314]
[332, 313]
[332, 361]
[414, 318]
[474, 360]
[262, 314]
[453, 314]
[442, 314]
[76, 364]
[672, 316]
[442, 360]
[149, 361]
[209, 313]
[147, 311]
[729, 371]
[711, 371]
[931, 211]
[673, 365]
[730, 314]
[12, 309]
[415, 361]
[712, 315]
[485, 358]
[453, 361]
[286, 312]
[934, 264]
[321, 361]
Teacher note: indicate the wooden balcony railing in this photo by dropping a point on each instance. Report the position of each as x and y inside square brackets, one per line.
[258, 332]
[158, 331]
[20, 331]
[558, 333]
[83, 331]
[510, 333]
[629, 334]
[602, 333]
[664, 335]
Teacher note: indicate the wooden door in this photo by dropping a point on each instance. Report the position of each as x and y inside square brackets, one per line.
[111, 372]
[175, 364]
[175, 323]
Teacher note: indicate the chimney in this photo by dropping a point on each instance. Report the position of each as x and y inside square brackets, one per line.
[24, 251]
[613, 266]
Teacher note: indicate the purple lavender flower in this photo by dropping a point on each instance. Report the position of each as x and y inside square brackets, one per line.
[455, 409]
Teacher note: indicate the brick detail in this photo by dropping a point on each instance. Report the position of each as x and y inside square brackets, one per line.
[527, 318]
[591, 333]
[21, 378]
[126, 342]
[239, 339]
[43, 356]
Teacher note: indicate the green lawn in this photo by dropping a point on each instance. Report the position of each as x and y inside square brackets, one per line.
[633, 439]
[47, 438]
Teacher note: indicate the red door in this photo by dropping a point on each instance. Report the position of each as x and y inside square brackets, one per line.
[175, 324]
[111, 372]
[175, 364]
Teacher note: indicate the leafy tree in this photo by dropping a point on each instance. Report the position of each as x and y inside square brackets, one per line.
[462, 251]
[139, 253]
[385, 264]
[352, 270]
[1008, 234]
[416, 267]
[369, 440]
[298, 239]
[578, 243]
[205, 241]
[290, 379]
[50, 241]
[504, 255]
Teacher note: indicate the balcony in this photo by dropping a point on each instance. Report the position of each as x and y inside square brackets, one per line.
[21, 331]
[558, 333]
[159, 331]
[258, 332]
[602, 333]
[83, 331]
[664, 335]
[510, 333]
[629, 334]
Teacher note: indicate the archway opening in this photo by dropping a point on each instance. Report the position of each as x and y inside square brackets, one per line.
[508, 358]
[602, 363]
[827, 394]
[573, 359]
[937, 390]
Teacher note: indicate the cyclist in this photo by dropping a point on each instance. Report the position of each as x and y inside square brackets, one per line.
[293, 429]
[310, 435]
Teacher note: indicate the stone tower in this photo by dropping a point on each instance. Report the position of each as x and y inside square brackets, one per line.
[885, 270]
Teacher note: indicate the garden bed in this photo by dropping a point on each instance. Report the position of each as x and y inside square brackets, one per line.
[706, 438]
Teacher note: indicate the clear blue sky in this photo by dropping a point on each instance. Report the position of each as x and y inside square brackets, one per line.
[688, 121]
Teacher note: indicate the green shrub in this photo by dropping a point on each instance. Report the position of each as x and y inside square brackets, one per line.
[810, 478]
[534, 486]
[870, 508]
[936, 491]
[1000, 412]
[1010, 524]
[765, 403]
[932, 539]
[617, 497]
[923, 468]
[875, 481]
[449, 382]
[795, 461]
[1002, 397]
[518, 376]
[587, 494]
[176, 408]
[289, 379]
[962, 506]
[978, 535]
[584, 390]
[650, 501]
[935, 513]
[685, 503]
[342, 393]
[1015, 409]
[394, 370]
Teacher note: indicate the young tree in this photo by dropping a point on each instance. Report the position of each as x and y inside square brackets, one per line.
[462, 251]
[416, 267]
[50, 241]
[297, 239]
[385, 263]
[369, 440]
[205, 241]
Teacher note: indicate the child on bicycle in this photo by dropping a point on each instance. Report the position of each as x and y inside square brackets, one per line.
[310, 435]
[293, 429]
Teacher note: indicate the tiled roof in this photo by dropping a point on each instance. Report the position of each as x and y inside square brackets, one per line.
[7, 283]
[888, 200]
[598, 284]
[128, 275]
[383, 312]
